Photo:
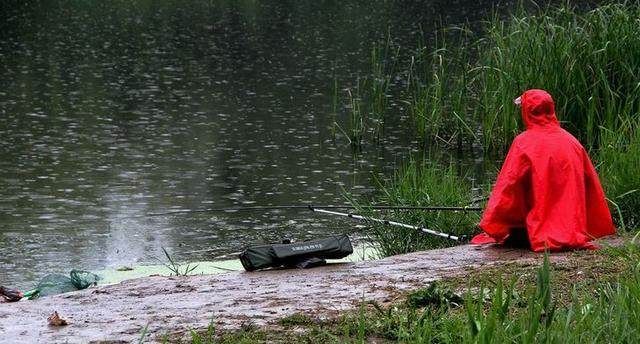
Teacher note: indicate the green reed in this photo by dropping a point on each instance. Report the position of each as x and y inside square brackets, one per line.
[609, 315]
[589, 61]
[437, 89]
[462, 91]
[336, 102]
[383, 66]
[423, 184]
[368, 100]
[357, 121]
[619, 158]
[176, 268]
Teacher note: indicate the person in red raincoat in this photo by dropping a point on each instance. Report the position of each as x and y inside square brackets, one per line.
[547, 191]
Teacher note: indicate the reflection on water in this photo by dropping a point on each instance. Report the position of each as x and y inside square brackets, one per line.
[113, 110]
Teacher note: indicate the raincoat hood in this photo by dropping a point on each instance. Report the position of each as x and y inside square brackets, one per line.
[538, 109]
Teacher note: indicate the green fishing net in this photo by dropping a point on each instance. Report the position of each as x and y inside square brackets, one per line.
[57, 283]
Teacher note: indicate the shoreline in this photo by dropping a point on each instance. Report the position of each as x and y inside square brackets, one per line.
[173, 306]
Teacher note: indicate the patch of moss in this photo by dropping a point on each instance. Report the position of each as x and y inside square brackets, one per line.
[297, 319]
[435, 296]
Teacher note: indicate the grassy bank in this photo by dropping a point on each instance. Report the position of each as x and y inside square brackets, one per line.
[587, 297]
[460, 96]
[423, 184]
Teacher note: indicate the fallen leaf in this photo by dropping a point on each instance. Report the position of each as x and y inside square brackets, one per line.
[55, 320]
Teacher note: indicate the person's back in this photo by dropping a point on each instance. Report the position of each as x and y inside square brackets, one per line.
[547, 186]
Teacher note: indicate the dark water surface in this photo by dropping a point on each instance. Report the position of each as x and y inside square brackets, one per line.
[113, 110]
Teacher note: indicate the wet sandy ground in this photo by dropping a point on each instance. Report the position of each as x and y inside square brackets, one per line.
[175, 305]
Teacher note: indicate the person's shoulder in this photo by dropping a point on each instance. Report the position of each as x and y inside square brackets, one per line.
[569, 137]
[525, 138]
[522, 136]
[530, 140]
[568, 134]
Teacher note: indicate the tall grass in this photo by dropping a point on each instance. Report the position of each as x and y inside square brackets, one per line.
[619, 158]
[423, 184]
[368, 99]
[383, 65]
[589, 61]
[438, 99]
[335, 103]
[463, 90]
[357, 128]
[176, 268]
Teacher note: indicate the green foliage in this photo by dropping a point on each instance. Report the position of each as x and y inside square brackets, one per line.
[434, 296]
[608, 316]
[423, 184]
[176, 268]
[296, 319]
[357, 119]
[143, 334]
[619, 159]
[589, 61]
[383, 60]
[438, 86]
[362, 325]
[368, 99]
[400, 324]
[336, 100]
[206, 337]
[357, 127]
[498, 324]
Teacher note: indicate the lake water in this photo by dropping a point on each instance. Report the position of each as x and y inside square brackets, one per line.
[110, 111]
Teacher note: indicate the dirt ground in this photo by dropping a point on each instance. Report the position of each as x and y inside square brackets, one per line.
[174, 305]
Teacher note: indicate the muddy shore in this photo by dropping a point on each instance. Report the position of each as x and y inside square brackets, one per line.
[174, 305]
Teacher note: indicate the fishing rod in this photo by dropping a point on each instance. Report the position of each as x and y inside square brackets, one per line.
[310, 206]
[323, 210]
[392, 223]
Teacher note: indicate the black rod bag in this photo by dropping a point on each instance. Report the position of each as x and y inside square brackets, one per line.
[277, 255]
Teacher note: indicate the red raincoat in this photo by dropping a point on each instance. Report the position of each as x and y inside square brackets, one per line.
[547, 186]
